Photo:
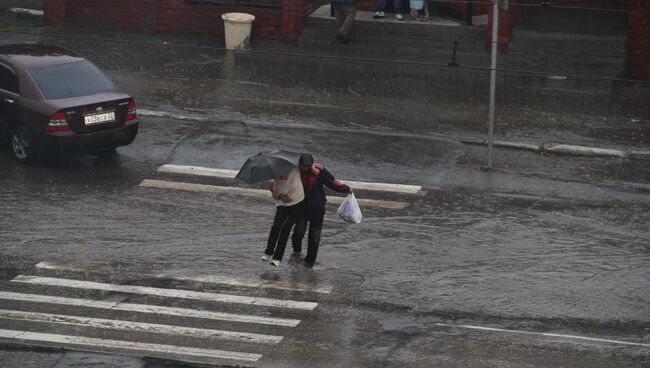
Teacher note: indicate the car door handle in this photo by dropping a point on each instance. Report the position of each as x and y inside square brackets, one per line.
[8, 100]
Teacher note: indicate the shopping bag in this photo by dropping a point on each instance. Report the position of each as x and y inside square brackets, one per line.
[349, 210]
[416, 4]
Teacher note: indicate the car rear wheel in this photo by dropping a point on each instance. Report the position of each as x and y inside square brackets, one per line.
[22, 145]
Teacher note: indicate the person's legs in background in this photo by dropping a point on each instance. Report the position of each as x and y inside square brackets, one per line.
[379, 10]
[281, 213]
[299, 230]
[315, 217]
[294, 212]
[350, 12]
[398, 10]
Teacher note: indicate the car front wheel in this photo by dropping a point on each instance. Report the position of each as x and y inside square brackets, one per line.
[22, 145]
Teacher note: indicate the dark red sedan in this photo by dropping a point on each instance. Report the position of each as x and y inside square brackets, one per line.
[52, 101]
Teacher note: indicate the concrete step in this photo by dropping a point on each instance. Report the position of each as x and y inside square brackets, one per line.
[339, 71]
[392, 52]
[613, 47]
[566, 64]
[577, 21]
[420, 41]
[565, 53]
[526, 39]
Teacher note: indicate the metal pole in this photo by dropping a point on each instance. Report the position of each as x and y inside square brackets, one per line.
[493, 79]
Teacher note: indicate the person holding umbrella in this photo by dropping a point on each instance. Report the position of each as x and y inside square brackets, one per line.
[288, 194]
[314, 177]
[286, 189]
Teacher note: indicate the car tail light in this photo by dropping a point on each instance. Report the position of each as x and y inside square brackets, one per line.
[131, 115]
[58, 123]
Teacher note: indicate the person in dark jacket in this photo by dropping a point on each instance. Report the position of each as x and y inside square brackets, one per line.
[346, 11]
[314, 178]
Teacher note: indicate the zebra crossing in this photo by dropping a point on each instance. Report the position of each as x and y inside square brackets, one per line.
[259, 193]
[63, 315]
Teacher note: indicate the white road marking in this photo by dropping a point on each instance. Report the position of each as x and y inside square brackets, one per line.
[198, 170]
[208, 279]
[138, 326]
[25, 10]
[149, 309]
[230, 174]
[95, 343]
[574, 337]
[259, 193]
[171, 293]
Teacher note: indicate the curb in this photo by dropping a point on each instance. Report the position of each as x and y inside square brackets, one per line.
[583, 151]
[35, 12]
[639, 155]
[566, 149]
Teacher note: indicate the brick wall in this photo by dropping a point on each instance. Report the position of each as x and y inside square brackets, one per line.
[292, 19]
[367, 4]
[480, 7]
[507, 22]
[54, 11]
[638, 39]
[174, 16]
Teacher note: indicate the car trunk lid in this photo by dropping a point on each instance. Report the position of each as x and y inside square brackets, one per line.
[95, 113]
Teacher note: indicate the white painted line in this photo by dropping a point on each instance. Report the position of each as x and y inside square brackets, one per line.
[94, 344]
[138, 327]
[149, 309]
[147, 183]
[161, 184]
[198, 170]
[571, 337]
[230, 174]
[170, 293]
[584, 151]
[208, 279]
[384, 187]
[25, 10]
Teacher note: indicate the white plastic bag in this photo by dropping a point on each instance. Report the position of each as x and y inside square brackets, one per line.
[349, 210]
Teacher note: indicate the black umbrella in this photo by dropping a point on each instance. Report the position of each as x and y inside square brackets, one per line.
[267, 165]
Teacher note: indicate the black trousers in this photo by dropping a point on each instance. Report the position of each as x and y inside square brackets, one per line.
[313, 216]
[285, 218]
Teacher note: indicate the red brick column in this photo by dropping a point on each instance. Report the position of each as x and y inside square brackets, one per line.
[638, 39]
[54, 12]
[507, 21]
[292, 18]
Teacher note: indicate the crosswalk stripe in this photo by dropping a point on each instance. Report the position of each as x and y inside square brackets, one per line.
[258, 193]
[137, 326]
[198, 170]
[95, 343]
[210, 279]
[149, 309]
[230, 174]
[172, 293]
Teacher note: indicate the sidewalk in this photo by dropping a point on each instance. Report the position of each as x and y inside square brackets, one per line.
[194, 78]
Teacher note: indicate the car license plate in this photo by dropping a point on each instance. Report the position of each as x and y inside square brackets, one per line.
[99, 118]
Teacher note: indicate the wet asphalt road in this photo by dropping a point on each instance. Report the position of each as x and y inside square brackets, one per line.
[542, 244]
[405, 282]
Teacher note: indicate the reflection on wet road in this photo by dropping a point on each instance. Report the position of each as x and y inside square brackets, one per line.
[454, 270]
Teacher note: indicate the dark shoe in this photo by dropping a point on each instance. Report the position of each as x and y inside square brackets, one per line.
[307, 264]
[297, 250]
[342, 39]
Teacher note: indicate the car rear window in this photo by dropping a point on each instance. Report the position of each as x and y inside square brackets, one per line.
[71, 80]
